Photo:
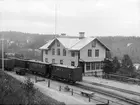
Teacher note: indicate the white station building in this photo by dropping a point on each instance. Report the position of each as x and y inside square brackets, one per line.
[86, 52]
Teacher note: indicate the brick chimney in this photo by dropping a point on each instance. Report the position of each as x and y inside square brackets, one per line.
[81, 35]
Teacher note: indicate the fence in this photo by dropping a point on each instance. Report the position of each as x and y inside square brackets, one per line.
[88, 95]
[84, 93]
[122, 78]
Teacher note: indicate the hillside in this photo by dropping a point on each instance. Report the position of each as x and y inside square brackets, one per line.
[20, 42]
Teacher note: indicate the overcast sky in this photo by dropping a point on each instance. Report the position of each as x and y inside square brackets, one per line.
[94, 17]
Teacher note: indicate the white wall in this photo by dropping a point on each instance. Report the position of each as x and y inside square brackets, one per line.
[84, 52]
[84, 55]
[66, 59]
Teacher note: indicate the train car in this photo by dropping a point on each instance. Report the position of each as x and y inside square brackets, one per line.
[21, 63]
[66, 73]
[8, 64]
[38, 67]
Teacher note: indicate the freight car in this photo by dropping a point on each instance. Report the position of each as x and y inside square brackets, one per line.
[21, 63]
[21, 66]
[57, 71]
[66, 73]
[38, 67]
[8, 64]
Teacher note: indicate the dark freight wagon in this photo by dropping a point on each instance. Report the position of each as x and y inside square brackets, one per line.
[40, 68]
[8, 64]
[21, 63]
[66, 73]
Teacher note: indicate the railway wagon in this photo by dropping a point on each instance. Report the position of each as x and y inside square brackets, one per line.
[8, 64]
[66, 73]
[38, 67]
[21, 63]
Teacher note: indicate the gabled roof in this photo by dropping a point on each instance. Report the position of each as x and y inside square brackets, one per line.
[83, 42]
[68, 42]
[72, 43]
[45, 47]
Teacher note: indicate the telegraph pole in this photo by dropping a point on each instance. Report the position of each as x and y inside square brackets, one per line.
[2, 52]
[55, 19]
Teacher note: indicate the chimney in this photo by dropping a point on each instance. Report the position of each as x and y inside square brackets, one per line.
[63, 34]
[81, 35]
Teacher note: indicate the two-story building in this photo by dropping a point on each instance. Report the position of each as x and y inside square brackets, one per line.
[86, 52]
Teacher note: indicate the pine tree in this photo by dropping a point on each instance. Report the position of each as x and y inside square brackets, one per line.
[108, 66]
[116, 64]
[127, 67]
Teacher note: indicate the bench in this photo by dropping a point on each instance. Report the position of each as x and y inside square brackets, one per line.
[87, 93]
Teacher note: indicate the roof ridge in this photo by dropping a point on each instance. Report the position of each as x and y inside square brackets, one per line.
[87, 43]
[75, 43]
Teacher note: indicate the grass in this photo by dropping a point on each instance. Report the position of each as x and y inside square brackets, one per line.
[12, 92]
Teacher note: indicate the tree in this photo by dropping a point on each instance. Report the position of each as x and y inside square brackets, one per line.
[116, 64]
[30, 91]
[108, 66]
[127, 65]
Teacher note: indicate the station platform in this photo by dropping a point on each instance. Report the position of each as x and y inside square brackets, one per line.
[112, 83]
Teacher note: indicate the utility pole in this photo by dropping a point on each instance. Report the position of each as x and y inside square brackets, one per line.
[2, 52]
[55, 19]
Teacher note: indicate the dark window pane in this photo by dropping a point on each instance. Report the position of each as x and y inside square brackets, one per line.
[97, 53]
[88, 66]
[58, 51]
[73, 54]
[89, 53]
[93, 65]
[46, 51]
[72, 63]
[64, 52]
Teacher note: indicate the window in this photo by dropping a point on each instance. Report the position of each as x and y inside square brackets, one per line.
[64, 52]
[46, 59]
[102, 65]
[53, 60]
[72, 63]
[58, 51]
[89, 53]
[87, 66]
[53, 51]
[61, 62]
[94, 43]
[73, 54]
[96, 53]
[98, 65]
[93, 65]
[46, 51]
[58, 43]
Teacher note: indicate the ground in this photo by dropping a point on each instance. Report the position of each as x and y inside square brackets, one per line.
[53, 93]
[12, 92]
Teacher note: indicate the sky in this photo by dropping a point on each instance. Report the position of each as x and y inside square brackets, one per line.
[94, 17]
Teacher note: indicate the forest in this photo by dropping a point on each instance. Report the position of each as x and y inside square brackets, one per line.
[28, 44]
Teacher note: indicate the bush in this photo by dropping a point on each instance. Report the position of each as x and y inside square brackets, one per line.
[14, 92]
[29, 91]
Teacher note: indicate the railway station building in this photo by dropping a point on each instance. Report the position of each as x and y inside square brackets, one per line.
[86, 52]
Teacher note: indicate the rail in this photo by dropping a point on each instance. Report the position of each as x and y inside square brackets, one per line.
[91, 96]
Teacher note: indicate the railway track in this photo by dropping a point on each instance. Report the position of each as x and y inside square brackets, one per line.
[114, 88]
[103, 92]
[110, 94]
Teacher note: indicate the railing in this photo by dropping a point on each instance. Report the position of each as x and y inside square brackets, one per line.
[90, 97]
[122, 78]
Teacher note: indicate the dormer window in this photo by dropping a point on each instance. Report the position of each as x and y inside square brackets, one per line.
[73, 54]
[46, 51]
[58, 43]
[94, 43]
